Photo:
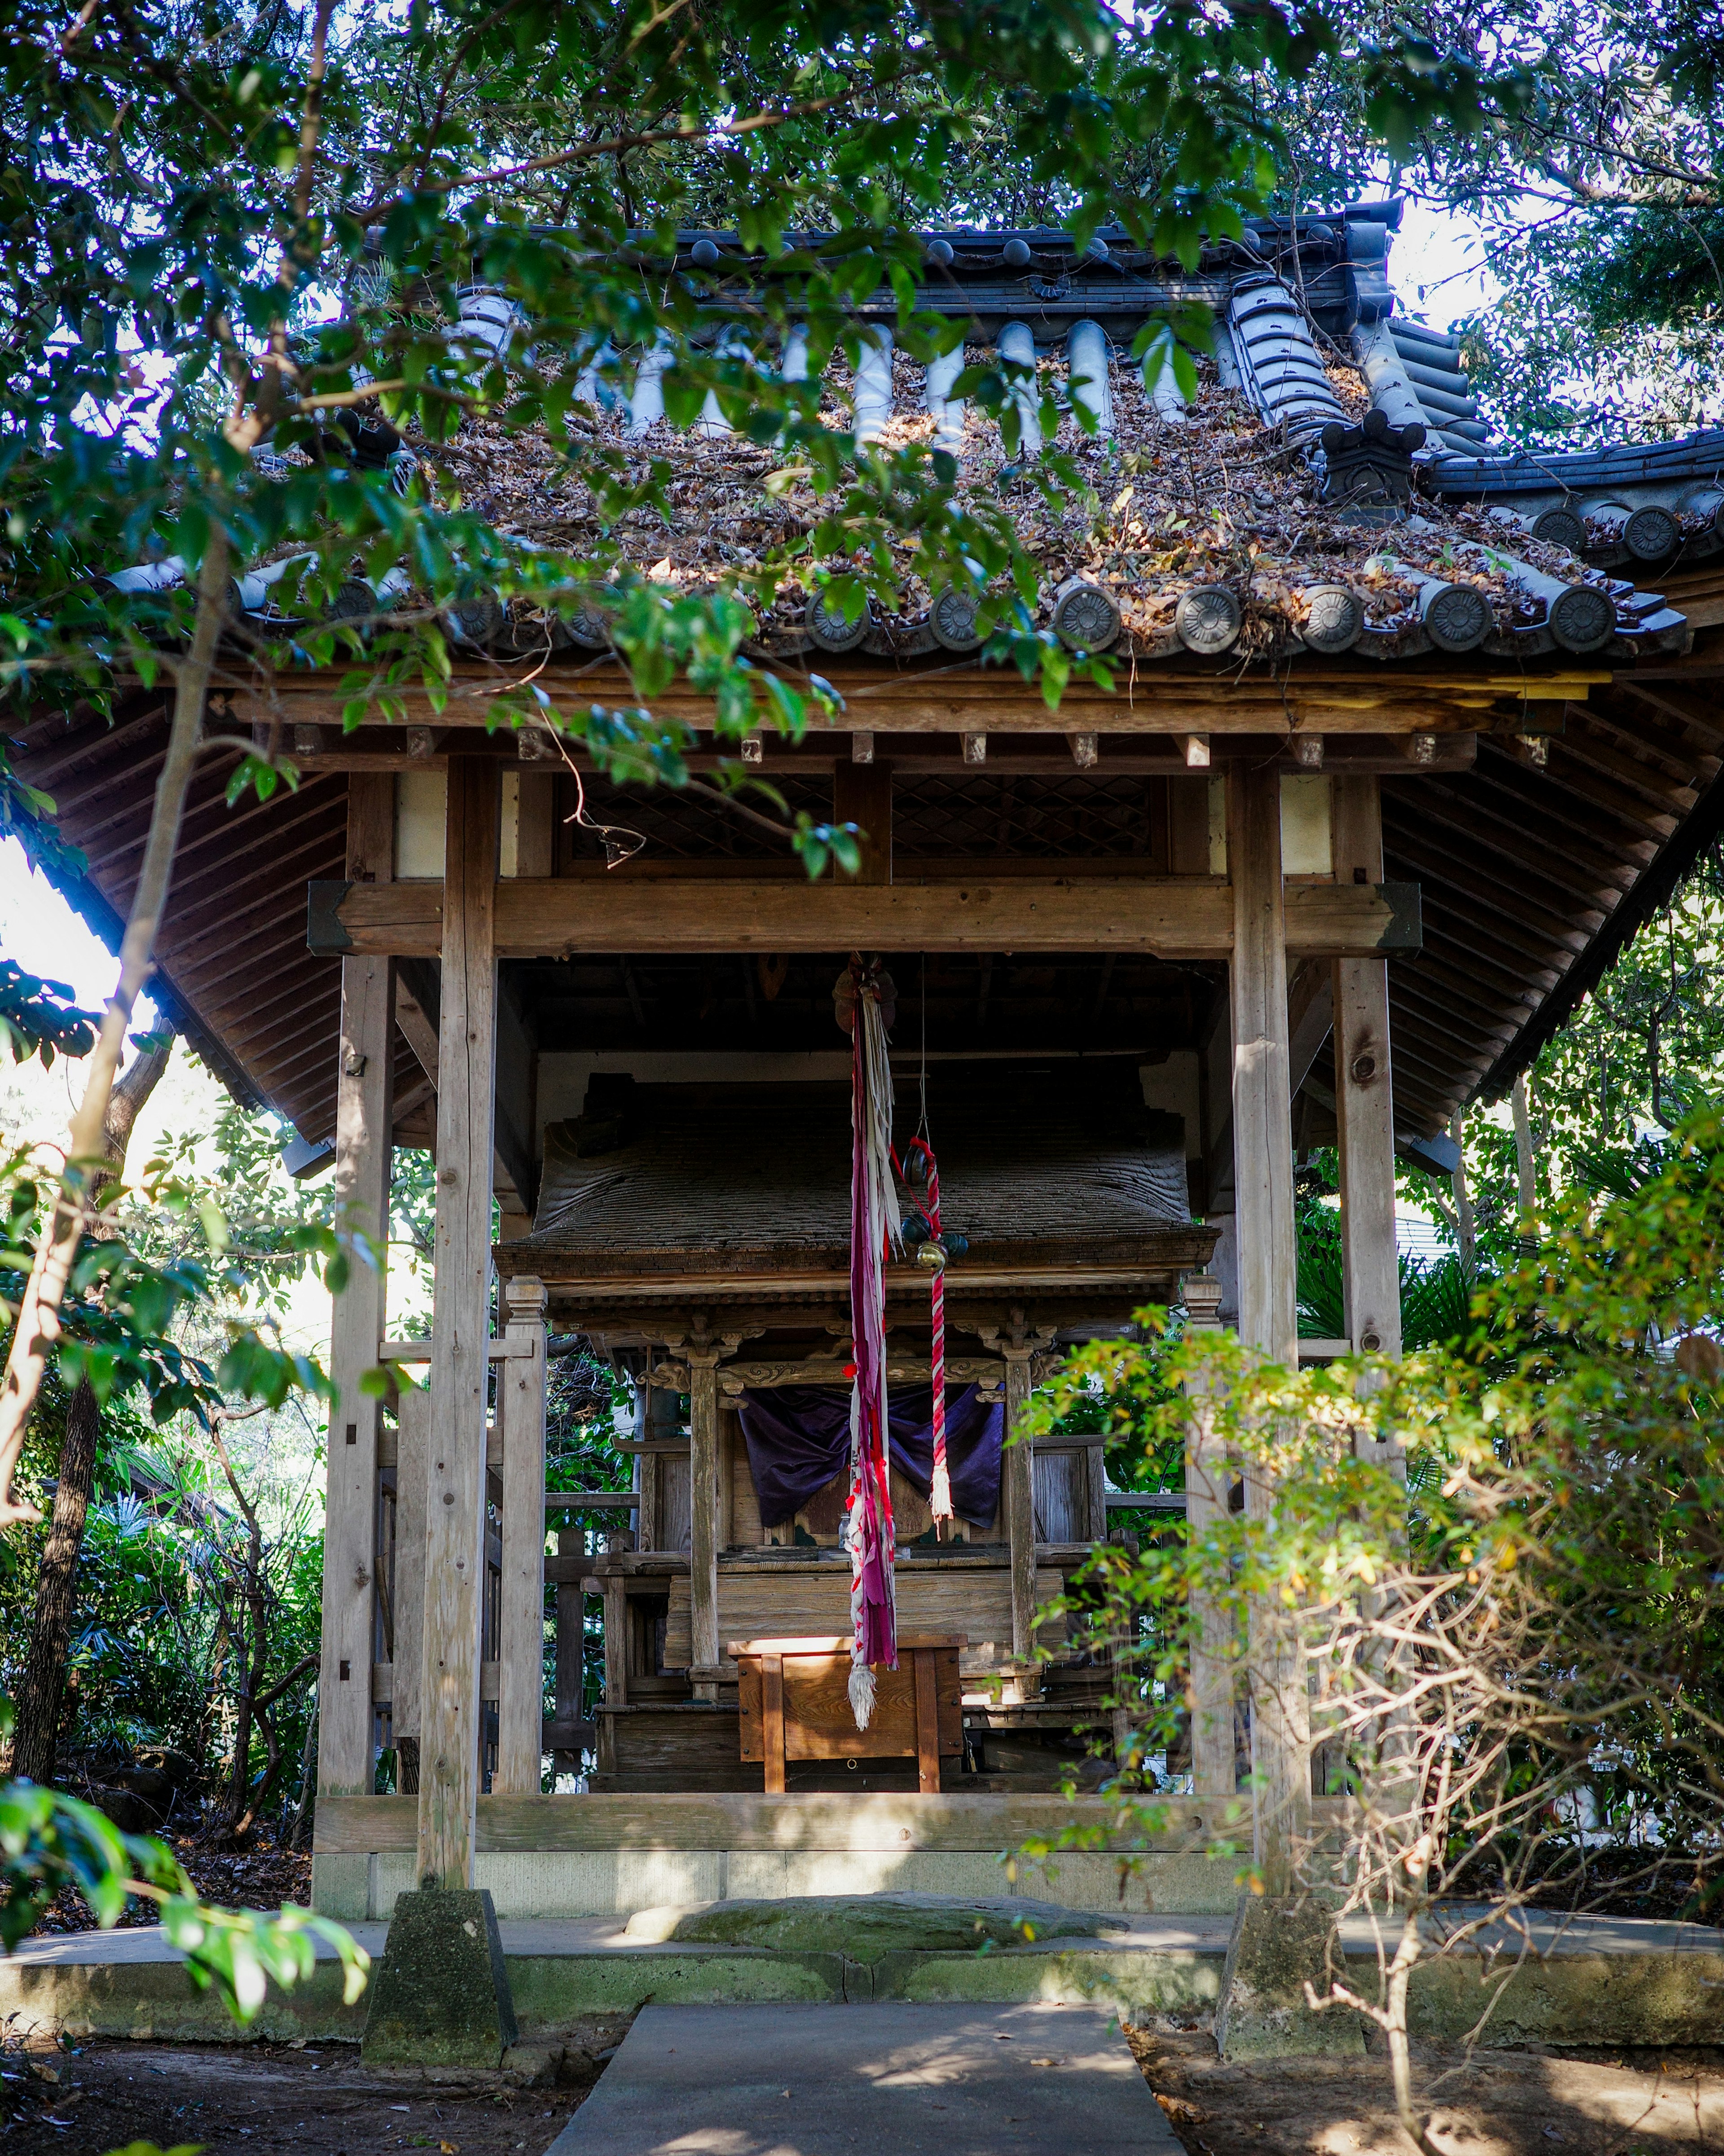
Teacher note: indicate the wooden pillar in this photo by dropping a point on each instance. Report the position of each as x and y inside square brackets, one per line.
[616, 1642]
[571, 1645]
[1017, 1502]
[1268, 1319]
[454, 1508]
[1364, 1097]
[413, 1425]
[363, 1115]
[1094, 1493]
[862, 794]
[1207, 1483]
[706, 1520]
[520, 1644]
[1262, 1108]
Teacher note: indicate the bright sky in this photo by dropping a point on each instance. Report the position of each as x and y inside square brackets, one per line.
[39, 932]
[1436, 265]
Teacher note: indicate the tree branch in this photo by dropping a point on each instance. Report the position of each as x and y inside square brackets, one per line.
[375, 211]
[36, 1334]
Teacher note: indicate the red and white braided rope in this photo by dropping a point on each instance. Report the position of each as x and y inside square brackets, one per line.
[939, 1489]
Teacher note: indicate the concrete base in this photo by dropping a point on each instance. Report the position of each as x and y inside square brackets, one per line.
[552, 1884]
[1278, 1947]
[826, 2080]
[440, 1997]
[608, 1855]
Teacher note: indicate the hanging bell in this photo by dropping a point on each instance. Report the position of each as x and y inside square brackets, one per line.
[930, 1257]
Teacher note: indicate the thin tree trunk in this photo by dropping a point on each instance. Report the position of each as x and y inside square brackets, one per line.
[1416, 2128]
[41, 1685]
[1466, 1234]
[308, 1761]
[36, 1334]
[1526, 1162]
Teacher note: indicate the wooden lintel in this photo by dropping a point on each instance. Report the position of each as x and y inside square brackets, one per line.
[1368, 698]
[1180, 917]
[1045, 752]
[1387, 711]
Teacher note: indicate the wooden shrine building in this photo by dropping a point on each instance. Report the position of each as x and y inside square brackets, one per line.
[1402, 745]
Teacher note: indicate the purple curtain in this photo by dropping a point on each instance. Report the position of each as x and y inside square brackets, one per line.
[799, 1437]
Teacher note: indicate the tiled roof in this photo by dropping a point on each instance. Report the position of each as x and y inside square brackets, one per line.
[1063, 1153]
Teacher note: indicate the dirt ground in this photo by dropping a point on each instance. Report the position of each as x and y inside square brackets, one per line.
[241, 2100]
[261, 1877]
[1500, 2103]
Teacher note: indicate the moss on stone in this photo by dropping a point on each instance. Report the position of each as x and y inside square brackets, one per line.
[863, 1927]
[440, 1997]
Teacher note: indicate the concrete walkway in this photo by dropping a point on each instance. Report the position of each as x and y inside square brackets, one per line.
[852, 2080]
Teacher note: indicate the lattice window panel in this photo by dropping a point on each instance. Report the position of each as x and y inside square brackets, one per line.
[1028, 817]
[680, 824]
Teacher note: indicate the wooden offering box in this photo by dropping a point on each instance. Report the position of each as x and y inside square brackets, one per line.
[794, 1696]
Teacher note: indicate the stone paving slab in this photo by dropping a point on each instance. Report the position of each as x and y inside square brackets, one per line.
[852, 2080]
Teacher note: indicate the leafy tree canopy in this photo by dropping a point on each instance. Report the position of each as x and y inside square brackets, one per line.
[230, 234]
[1597, 178]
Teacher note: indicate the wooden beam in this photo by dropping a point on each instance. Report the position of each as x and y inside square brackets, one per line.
[418, 1026]
[514, 1168]
[454, 1510]
[1364, 1103]
[363, 1122]
[1175, 917]
[520, 1628]
[1311, 1016]
[822, 1370]
[892, 1822]
[1043, 754]
[1319, 700]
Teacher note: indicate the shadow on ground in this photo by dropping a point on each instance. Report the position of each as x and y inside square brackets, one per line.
[1499, 2103]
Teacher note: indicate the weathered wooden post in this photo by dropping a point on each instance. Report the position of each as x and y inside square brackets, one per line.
[521, 1645]
[704, 1517]
[1017, 1502]
[571, 1649]
[1207, 1481]
[1279, 1942]
[1262, 1106]
[1364, 1095]
[1263, 1177]
[441, 1997]
[364, 1110]
[413, 1423]
[460, 1333]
